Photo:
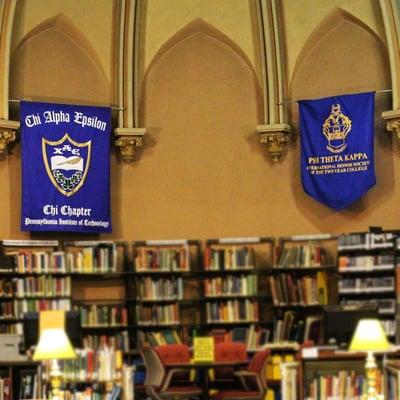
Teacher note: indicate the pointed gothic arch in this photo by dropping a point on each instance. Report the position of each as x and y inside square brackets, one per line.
[55, 61]
[199, 26]
[342, 55]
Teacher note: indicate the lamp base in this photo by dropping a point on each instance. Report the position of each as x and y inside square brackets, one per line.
[55, 380]
[373, 397]
[371, 370]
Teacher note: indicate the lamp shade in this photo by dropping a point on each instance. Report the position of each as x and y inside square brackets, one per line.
[369, 336]
[53, 344]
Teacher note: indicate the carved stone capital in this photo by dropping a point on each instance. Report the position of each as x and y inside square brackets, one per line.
[7, 136]
[392, 119]
[127, 141]
[275, 137]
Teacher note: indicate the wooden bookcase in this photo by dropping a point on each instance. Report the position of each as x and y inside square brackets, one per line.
[302, 281]
[397, 285]
[32, 280]
[21, 380]
[70, 275]
[321, 372]
[391, 370]
[236, 298]
[101, 290]
[366, 264]
[167, 290]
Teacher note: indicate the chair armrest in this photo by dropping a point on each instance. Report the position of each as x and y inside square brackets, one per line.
[152, 392]
[242, 375]
[245, 373]
[169, 376]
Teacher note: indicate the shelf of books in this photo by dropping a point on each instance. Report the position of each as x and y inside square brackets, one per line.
[20, 380]
[235, 296]
[336, 375]
[90, 276]
[32, 278]
[167, 290]
[302, 281]
[391, 370]
[100, 288]
[394, 306]
[366, 265]
[98, 374]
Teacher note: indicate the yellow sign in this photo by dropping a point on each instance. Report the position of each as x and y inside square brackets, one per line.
[203, 349]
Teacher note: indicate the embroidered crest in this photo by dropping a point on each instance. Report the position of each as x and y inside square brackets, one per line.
[67, 163]
[336, 128]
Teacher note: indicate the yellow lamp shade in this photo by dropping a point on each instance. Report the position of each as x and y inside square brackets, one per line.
[369, 336]
[53, 344]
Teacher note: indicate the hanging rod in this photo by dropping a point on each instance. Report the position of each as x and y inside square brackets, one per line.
[295, 101]
[112, 107]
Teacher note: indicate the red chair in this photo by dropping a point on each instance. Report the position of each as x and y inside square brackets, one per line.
[227, 351]
[175, 353]
[158, 383]
[253, 380]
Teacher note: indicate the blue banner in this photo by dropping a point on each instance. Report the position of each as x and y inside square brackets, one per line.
[65, 168]
[337, 148]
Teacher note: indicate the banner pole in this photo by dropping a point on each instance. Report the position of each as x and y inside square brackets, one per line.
[90, 105]
[288, 101]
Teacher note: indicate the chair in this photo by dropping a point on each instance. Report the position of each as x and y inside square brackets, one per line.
[158, 380]
[252, 379]
[227, 351]
[175, 353]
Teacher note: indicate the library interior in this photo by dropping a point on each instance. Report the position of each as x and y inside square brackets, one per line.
[199, 199]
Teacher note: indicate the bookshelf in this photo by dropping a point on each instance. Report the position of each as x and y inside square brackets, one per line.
[391, 370]
[302, 281]
[366, 265]
[167, 290]
[100, 289]
[397, 285]
[327, 374]
[90, 276]
[20, 380]
[33, 277]
[236, 300]
[94, 374]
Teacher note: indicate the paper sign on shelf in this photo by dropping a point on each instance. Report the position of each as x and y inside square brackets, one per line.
[309, 352]
[203, 349]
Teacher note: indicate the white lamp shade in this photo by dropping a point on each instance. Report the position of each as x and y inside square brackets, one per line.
[53, 344]
[369, 336]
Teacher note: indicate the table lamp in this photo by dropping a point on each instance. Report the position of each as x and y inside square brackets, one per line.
[54, 345]
[370, 337]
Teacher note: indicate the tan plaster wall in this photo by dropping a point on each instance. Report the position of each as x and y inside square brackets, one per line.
[5, 199]
[54, 56]
[95, 19]
[222, 185]
[202, 171]
[235, 18]
[302, 17]
[202, 155]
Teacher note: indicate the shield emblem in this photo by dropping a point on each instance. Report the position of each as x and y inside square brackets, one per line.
[67, 163]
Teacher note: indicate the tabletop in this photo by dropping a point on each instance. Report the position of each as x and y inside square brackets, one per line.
[208, 364]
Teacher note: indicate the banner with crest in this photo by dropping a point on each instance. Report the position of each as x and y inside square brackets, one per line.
[65, 167]
[337, 148]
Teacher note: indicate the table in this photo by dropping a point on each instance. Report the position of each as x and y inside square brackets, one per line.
[203, 368]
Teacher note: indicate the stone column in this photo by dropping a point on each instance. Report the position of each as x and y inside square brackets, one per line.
[7, 128]
[128, 136]
[390, 14]
[276, 131]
